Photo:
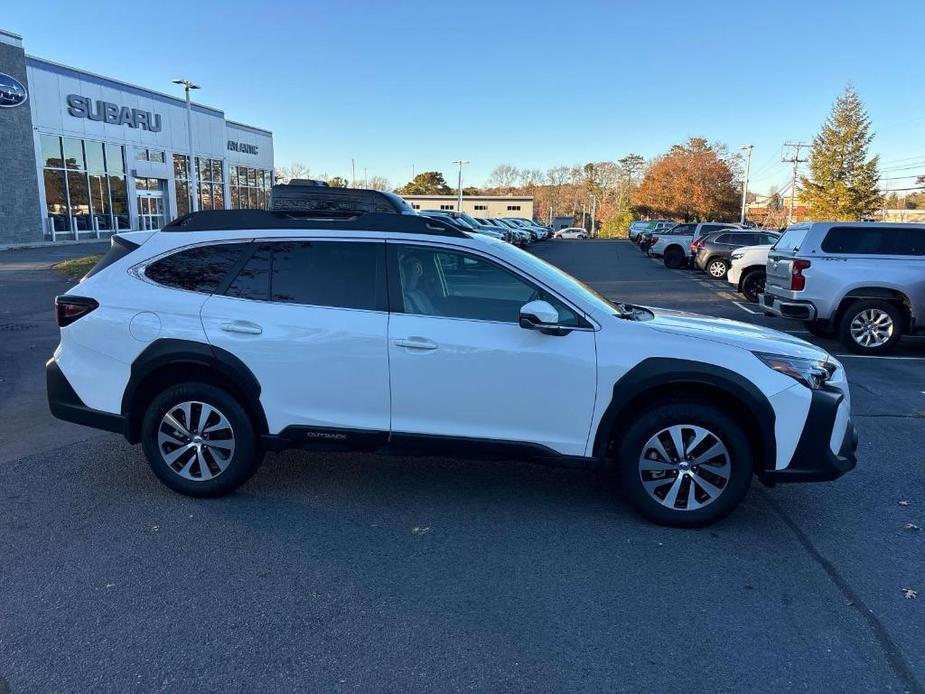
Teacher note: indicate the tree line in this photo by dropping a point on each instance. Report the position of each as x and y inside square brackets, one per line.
[694, 180]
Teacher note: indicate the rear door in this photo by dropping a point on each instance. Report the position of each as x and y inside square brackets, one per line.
[309, 319]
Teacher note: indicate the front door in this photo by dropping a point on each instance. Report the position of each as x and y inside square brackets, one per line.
[308, 319]
[461, 365]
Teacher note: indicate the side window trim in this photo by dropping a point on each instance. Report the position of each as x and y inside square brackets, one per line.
[396, 303]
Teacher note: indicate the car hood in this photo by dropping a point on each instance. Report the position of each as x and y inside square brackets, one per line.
[732, 332]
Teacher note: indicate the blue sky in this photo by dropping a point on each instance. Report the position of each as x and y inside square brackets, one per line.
[403, 84]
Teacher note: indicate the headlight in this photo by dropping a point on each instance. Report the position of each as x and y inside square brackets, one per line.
[812, 373]
[735, 255]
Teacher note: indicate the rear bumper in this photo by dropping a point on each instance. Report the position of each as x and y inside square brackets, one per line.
[814, 460]
[787, 308]
[65, 404]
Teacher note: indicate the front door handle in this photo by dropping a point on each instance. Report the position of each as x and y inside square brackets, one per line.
[416, 343]
[242, 326]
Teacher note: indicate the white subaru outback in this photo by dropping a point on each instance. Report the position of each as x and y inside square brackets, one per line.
[230, 333]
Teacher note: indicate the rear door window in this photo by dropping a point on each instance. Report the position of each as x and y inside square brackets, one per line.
[336, 274]
[198, 269]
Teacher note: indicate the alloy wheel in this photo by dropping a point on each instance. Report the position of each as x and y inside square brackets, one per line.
[753, 286]
[872, 327]
[717, 269]
[684, 467]
[195, 440]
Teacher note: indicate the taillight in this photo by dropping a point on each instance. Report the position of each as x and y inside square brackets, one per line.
[69, 308]
[653, 238]
[797, 280]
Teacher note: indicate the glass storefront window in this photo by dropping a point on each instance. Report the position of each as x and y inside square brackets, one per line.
[249, 187]
[73, 153]
[114, 162]
[217, 170]
[51, 152]
[56, 199]
[218, 196]
[155, 155]
[95, 161]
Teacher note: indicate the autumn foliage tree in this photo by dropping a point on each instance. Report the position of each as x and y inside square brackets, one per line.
[694, 180]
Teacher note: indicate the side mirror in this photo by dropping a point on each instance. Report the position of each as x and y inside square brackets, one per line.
[541, 315]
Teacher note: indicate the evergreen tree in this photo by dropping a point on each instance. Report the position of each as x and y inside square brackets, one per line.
[843, 182]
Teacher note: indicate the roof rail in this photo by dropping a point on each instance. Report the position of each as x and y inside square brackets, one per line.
[237, 220]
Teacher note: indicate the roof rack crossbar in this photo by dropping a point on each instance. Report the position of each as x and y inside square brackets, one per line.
[237, 220]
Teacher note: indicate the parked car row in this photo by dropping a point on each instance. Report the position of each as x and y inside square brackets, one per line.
[862, 282]
[516, 230]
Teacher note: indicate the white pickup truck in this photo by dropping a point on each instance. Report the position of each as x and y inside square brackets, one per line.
[675, 245]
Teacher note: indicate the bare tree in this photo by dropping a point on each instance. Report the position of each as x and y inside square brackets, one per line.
[504, 176]
[378, 183]
[284, 174]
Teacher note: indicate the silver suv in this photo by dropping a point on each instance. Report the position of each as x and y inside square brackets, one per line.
[864, 282]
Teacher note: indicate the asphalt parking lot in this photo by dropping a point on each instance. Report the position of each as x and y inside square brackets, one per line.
[335, 572]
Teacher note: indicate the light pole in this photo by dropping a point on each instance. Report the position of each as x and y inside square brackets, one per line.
[194, 197]
[748, 163]
[459, 183]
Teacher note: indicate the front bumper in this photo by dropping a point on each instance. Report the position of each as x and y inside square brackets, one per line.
[814, 460]
[787, 308]
[734, 275]
[65, 404]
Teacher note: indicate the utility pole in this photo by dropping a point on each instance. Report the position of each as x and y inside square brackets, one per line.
[793, 158]
[353, 174]
[365, 178]
[194, 197]
[459, 183]
[748, 164]
[593, 210]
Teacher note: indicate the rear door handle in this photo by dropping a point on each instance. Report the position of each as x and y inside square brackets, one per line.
[242, 326]
[416, 343]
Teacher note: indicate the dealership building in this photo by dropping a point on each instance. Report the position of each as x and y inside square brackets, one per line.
[83, 156]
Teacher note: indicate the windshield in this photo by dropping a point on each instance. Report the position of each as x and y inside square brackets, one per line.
[471, 220]
[791, 240]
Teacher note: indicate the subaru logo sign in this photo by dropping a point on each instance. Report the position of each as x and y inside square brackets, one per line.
[12, 91]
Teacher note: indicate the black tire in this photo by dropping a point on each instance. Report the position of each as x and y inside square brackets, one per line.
[819, 329]
[753, 284]
[724, 427]
[238, 467]
[890, 313]
[716, 268]
[674, 257]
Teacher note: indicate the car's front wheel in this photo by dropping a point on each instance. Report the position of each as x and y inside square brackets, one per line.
[753, 284]
[684, 463]
[871, 327]
[199, 440]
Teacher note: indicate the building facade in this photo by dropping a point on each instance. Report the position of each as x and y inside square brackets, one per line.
[88, 155]
[476, 205]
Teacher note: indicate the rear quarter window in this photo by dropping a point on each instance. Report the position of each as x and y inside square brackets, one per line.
[791, 240]
[199, 269]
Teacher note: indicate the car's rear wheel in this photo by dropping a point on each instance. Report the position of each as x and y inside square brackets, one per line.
[199, 440]
[753, 284]
[717, 268]
[871, 327]
[674, 257]
[684, 463]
